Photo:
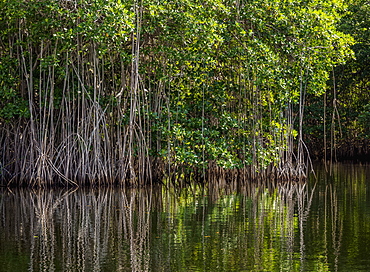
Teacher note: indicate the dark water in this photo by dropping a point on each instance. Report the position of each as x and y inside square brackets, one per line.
[323, 225]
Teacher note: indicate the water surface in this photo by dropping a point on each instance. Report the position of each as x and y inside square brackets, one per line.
[322, 225]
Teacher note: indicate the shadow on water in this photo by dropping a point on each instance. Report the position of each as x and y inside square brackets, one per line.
[322, 225]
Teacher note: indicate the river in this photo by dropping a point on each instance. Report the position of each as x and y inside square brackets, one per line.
[320, 225]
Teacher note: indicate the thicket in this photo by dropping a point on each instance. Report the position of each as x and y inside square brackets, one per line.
[338, 122]
[130, 92]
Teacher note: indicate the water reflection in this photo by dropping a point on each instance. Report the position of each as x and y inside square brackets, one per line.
[322, 225]
[341, 219]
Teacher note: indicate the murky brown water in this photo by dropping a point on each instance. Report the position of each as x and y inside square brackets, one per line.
[323, 225]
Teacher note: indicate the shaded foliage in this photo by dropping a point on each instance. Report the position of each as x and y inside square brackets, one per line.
[342, 116]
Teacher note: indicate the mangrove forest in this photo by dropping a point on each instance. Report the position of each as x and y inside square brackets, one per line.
[135, 92]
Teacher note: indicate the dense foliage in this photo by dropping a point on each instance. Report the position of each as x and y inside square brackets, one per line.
[338, 123]
[105, 91]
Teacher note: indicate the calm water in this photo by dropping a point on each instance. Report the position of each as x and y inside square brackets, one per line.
[323, 225]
